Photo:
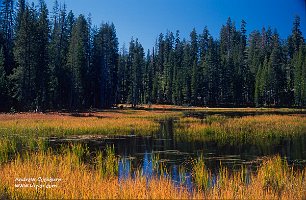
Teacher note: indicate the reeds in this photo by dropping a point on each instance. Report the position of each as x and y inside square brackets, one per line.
[107, 166]
[141, 122]
[103, 123]
[240, 130]
[76, 179]
[25, 153]
[274, 179]
[201, 175]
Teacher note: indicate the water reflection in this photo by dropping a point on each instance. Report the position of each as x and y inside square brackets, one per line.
[164, 154]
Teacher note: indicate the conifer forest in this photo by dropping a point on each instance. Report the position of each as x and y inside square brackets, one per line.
[51, 59]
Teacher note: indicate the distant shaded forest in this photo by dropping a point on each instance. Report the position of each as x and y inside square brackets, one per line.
[55, 60]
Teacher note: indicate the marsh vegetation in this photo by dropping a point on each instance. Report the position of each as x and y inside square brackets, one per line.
[156, 152]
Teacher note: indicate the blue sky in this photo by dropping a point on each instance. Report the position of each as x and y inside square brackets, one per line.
[145, 19]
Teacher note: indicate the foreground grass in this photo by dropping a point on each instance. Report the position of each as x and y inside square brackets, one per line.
[75, 180]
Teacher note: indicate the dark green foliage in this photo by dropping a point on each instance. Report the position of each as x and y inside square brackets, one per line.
[104, 71]
[3, 84]
[42, 58]
[61, 24]
[27, 76]
[7, 33]
[136, 64]
[77, 64]
[64, 63]
[299, 63]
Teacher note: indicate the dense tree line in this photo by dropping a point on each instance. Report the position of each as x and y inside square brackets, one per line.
[55, 60]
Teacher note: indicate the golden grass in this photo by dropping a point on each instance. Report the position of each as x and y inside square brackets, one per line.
[84, 182]
[274, 179]
[78, 182]
[211, 109]
[144, 122]
[107, 123]
[241, 129]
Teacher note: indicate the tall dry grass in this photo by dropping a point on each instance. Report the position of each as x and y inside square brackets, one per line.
[247, 129]
[80, 181]
[119, 122]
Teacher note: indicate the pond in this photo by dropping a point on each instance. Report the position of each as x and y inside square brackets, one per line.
[175, 156]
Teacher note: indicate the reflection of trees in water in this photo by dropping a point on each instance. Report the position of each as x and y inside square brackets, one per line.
[136, 151]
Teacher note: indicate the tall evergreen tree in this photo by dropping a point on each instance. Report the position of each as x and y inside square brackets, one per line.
[7, 31]
[203, 71]
[105, 65]
[25, 52]
[195, 74]
[187, 73]
[3, 84]
[137, 62]
[178, 72]
[227, 64]
[77, 63]
[58, 49]
[300, 77]
[42, 72]
[295, 66]
[123, 76]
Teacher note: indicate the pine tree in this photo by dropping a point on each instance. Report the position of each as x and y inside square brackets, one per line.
[21, 5]
[277, 76]
[24, 84]
[160, 76]
[168, 67]
[147, 79]
[300, 77]
[264, 83]
[3, 84]
[244, 97]
[123, 76]
[212, 72]
[258, 87]
[254, 62]
[105, 65]
[42, 72]
[7, 31]
[136, 61]
[178, 78]
[195, 74]
[294, 67]
[186, 73]
[203, 71]
[58, 49]
[297, 37]
[77, 63]
[227, 72]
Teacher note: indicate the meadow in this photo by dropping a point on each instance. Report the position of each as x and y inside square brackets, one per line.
[25, 152]
[245, 129]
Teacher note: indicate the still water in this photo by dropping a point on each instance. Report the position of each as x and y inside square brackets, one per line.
[164, 154]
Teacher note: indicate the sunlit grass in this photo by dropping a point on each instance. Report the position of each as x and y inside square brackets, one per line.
[247, 129]
[24, 152]
[211, 109]
[121, 122]
[274, 179]
[80, 180]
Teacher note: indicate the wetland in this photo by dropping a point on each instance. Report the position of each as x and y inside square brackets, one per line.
[193, 152]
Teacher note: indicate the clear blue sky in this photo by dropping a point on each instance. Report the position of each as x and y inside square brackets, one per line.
[145, 19]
